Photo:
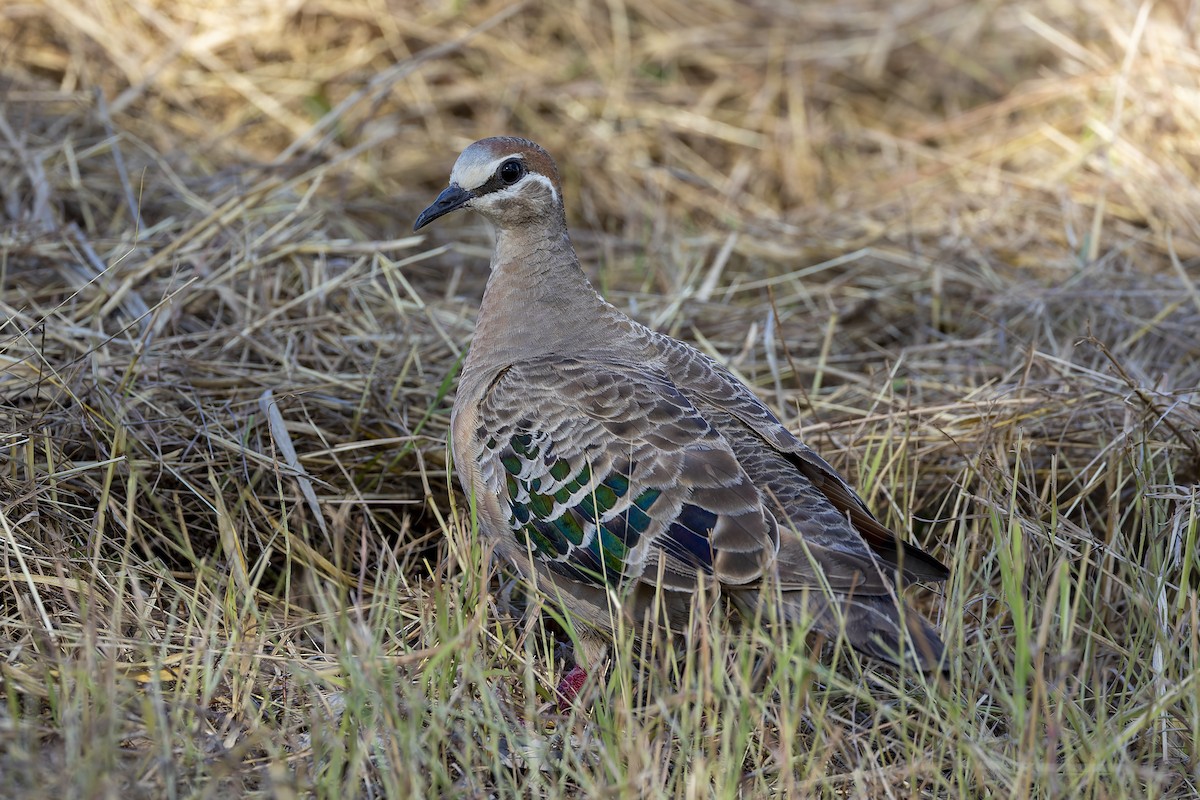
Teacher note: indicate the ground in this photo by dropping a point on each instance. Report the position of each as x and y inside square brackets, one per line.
[955, 245]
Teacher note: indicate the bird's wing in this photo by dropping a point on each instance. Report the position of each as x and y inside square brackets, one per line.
[607, 474]
[710, 384]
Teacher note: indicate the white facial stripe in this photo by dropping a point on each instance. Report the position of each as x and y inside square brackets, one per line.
[474, 175]
[534, 176]
[515, 189]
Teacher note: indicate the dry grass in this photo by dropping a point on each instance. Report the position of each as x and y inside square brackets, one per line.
[957, 245]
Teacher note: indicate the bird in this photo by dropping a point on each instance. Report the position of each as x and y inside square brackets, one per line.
[608, 460]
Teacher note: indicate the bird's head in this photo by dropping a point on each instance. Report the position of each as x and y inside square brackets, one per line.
[510, 181]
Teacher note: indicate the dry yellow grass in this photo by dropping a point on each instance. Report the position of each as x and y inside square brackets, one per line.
[957, 245]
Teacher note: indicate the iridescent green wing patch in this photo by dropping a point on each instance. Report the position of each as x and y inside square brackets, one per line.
[581, 525]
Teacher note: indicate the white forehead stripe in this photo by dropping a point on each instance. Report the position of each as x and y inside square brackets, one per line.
[472, 174]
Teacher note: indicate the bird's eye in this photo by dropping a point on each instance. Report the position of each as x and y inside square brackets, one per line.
[511, 171]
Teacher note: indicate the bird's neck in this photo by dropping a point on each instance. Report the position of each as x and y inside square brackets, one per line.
[537, 299]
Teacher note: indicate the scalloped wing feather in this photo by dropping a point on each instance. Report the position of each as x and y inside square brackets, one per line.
[608, 473]
[712, 385]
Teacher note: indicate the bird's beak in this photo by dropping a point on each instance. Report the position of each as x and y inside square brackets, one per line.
[452, 197]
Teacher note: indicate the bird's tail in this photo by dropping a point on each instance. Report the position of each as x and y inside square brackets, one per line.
[871, 624]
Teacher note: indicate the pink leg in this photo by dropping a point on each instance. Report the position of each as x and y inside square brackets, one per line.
[569, 686]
